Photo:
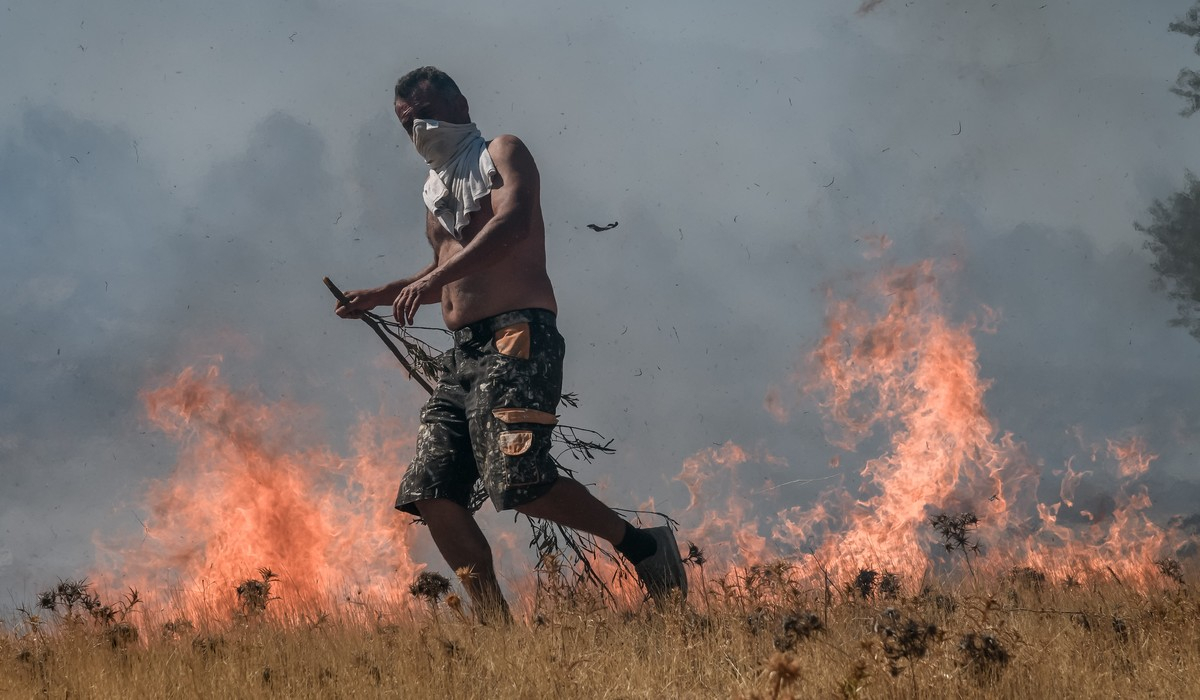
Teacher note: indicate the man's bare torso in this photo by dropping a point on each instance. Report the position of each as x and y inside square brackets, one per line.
[515, 279]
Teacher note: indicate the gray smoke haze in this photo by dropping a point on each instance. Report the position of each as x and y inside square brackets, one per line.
[175, 179]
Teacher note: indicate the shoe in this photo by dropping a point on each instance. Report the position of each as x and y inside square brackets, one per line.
[662, 571]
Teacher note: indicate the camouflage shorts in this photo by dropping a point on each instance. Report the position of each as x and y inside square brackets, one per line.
[491, 415]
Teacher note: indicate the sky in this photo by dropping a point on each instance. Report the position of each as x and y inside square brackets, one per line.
[176, 178]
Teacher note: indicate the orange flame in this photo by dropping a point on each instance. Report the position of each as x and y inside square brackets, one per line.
[1135, 459]
[253, 489]
[895, 369]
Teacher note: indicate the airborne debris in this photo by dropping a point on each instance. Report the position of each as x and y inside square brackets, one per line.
[596, 227]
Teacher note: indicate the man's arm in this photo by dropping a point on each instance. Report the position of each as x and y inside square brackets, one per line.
[385, 295]
[513, 206]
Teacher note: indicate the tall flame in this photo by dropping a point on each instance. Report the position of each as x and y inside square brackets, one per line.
[254, 489]
[893, 369]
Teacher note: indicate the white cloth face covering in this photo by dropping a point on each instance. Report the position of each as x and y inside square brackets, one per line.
[461, 171]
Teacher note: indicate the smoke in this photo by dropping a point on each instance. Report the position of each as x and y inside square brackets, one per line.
[175, 189]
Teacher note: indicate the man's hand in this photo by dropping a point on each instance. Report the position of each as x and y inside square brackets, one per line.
[423, 290]
[360, 300]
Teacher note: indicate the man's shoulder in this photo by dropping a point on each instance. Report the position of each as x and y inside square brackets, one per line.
[506, 141]
[507, 145]
[510, 152]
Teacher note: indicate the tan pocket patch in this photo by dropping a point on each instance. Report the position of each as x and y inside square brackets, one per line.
[525, 415]
[516, 442]
[513, 341]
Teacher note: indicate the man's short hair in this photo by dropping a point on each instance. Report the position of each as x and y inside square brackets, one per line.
[410, 81]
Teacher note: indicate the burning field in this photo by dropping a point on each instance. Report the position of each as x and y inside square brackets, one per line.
[940, 559]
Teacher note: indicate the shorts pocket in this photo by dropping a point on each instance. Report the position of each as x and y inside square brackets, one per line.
[515, 442]
[513, 341]
[524, 415]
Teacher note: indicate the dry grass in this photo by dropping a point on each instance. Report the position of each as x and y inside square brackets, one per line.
[765, 635]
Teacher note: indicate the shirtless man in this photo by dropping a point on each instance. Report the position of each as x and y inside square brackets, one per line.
[492, 412]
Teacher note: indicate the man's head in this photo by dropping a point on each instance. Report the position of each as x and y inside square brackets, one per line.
[428, 93]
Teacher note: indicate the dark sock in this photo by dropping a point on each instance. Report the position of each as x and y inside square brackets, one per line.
[636, 545]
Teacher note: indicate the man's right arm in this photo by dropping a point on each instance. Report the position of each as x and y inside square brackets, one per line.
[367, 299]
[384, 295]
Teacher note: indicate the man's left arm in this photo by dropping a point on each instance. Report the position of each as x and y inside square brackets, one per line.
[513, 206]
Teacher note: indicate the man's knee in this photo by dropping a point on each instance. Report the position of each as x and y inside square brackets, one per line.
[441, 510]
[455, 532]
[535, 504]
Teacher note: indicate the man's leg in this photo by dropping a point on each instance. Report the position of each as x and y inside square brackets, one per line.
[569, 503]
[464, 546]
[511, 432]
[653, 552]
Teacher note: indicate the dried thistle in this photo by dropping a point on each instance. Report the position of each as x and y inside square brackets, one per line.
[455, 604]
[1171, 569]
[762, 579]
[121, 635]
[863, 584]
[254, 594]
[466, 574]
[431, 586]
[757, 620]
[889, 584]
[904, 639]
[797, 626]
[982, 654]
[957, 532]
[72, 598]
[47, 600]
[69, 599]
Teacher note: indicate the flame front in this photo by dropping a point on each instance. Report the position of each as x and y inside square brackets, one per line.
[893, 373]
[254, 488]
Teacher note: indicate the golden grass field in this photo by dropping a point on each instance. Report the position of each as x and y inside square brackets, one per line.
[759, 634]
